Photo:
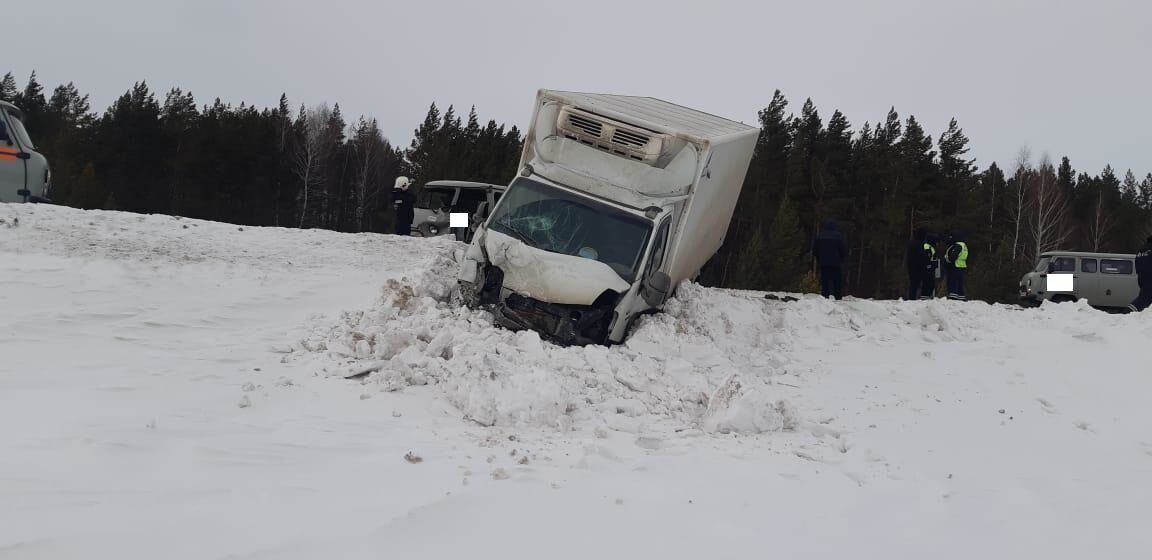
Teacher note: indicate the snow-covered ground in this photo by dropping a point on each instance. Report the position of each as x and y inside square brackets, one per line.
[172, 388]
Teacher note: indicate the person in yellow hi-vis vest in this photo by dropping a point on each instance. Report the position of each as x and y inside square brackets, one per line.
[956, 257]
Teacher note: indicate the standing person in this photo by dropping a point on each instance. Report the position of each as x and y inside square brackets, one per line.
[404, 203]
[916, 261]
[829, 251]
[931, 266]
[1143, 277]
[956, 258]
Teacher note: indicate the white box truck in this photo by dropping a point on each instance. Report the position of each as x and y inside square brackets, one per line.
[617, 201]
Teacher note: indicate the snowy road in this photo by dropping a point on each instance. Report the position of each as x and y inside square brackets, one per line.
[169, 389]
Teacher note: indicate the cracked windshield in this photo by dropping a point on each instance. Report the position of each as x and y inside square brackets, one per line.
[553, 220]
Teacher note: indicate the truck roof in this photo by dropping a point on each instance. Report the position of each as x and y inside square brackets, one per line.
[657, 114]
[1087, 255]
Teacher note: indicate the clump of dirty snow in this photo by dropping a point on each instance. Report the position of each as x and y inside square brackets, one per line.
[669, 376]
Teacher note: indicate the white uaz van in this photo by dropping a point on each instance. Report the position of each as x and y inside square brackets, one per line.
[24, 174]
[1102, 279]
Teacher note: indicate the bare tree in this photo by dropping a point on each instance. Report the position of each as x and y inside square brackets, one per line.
[1100, 222]
[1048, 210]
[370, 146]
[1023, 173]
[312, 152]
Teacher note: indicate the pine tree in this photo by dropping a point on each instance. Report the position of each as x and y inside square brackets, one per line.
[1146, 193]
[87, 192]
[889, 132]
[1130, 189]
[8, 89]
[953, 145]
[32, 102]
[68, 104]
[421, 152]
[1109, 180]
[785, 248]
[1066, 176]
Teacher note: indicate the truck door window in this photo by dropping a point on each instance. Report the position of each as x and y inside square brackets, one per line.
[1088, 265]
[1063, 264]
[1115, 266]
[659, 247]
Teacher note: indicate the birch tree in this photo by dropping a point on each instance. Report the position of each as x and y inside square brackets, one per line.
[369, 146]
[1023, 173]
[311, 152]
[1100, 221]
[1048, 215]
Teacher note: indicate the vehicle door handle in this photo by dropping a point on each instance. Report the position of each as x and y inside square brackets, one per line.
[24, 155]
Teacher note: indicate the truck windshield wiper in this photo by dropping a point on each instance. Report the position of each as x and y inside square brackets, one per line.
[523, 237]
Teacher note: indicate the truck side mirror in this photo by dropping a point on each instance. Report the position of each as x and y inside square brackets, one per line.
[655, 289]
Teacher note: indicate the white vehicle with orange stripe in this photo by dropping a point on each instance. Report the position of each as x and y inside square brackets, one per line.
[24, 173]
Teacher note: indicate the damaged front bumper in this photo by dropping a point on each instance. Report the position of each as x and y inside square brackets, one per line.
[563, 324]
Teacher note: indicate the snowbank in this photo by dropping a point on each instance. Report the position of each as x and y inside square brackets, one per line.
[713, 361]
[148, 397]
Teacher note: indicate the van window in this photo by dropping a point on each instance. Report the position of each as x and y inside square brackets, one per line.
[1063, 264]
[469, 200]
[434, 198]
[1042, 264]
[19, 132]
[1088, 265]
[1115, 266]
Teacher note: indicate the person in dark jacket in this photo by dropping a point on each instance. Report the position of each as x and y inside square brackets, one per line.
[830, 251]
[404, 203]
[956, 265]
[922, 263]
[931, 264]
[1143, 277]
[918, 260]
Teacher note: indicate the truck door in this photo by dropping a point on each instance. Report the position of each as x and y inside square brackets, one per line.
[13, 169]
[1087, 282]
[1118, 281]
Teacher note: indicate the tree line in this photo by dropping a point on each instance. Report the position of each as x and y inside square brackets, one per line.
[888, 178]
[264, 167]
[310, 168]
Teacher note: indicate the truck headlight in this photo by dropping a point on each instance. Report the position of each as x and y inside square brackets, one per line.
[433, 230]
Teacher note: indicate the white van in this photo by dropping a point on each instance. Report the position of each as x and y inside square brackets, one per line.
[24, 173]
[1105, 280]
[437, 200]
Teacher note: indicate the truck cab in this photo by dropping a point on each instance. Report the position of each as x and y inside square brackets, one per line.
[1104, 280]
[24, 173]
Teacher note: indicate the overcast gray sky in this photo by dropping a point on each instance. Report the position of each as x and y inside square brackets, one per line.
[1063, 77]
